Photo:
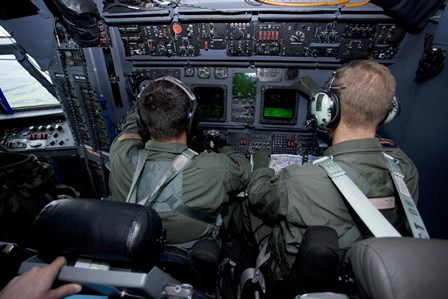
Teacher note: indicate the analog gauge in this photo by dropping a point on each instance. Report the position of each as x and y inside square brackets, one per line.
[204, 72]
[220, 72]
[189, 71]
[299, 36]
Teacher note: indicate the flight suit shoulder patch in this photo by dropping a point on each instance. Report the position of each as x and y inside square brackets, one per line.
[388, 143]
[128, 136]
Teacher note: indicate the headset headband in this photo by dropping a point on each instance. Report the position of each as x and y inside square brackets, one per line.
[179, 84]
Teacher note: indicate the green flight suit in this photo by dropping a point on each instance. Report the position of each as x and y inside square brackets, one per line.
[207, 181]
[304, 196]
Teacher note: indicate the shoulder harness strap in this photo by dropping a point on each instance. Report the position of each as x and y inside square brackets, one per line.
[415, 221]
[370, 215]
[179, 164]
[132, 195]
[254, 274]
[353, 195]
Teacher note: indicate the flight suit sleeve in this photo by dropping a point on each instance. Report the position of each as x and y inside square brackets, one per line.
[129, 137]
[264, 186]
[120, 157]
[263, 190]
[239, 169]
[130, 124]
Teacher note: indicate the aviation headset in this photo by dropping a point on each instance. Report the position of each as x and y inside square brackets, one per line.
[191, 106]
[325, 106]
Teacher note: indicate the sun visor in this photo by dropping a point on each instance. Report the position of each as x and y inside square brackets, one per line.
[411, 15]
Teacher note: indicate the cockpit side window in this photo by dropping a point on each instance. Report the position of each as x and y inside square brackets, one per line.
[19, 87]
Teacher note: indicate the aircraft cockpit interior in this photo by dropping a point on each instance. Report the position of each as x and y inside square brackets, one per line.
[71, 70]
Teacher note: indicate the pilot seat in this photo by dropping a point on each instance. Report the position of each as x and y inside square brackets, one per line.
[111, 248]
[386, 268]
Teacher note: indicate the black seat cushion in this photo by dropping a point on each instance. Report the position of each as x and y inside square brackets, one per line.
[100, 229]
[315, 268]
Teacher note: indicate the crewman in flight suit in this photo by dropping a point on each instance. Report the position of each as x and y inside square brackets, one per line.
[302, 196]
[193, 197]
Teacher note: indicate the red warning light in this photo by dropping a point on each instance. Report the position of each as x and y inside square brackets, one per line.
[177, 29]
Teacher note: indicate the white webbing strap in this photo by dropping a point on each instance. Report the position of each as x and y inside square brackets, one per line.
[132, 195]
[415, 221]
[179, 163]
[254, 274]
[374, 220]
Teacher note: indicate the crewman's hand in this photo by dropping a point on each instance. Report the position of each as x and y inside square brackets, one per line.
[261, 158]
[37, 282]
[216, 143]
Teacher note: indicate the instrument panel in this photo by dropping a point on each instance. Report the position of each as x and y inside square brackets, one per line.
[243, 68]
[50, 134]
[275, 39]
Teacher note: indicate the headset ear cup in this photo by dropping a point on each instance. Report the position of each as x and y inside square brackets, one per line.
[335, 110]
[191, 113]
[393, 112]
[325, 108]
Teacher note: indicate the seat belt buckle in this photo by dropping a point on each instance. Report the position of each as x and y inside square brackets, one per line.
[332, 168]
[393, 166]
[322, 159]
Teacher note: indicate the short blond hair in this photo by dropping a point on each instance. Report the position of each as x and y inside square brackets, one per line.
[366, 90]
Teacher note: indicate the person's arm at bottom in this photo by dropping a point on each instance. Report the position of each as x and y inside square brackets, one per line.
[37, 282]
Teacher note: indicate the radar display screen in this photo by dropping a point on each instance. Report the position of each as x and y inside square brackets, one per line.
[279, 106]
[211, 103]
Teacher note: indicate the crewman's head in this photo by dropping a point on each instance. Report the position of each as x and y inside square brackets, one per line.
[365, 89]
[163, 108]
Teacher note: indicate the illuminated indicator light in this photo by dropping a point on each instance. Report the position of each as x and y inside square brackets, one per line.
[177, 29]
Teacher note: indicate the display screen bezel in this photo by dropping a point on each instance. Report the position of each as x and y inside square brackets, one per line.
[223, 116]
[292, 120]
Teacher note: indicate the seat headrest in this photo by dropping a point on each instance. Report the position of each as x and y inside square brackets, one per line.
[99, 229]
[394, 268]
